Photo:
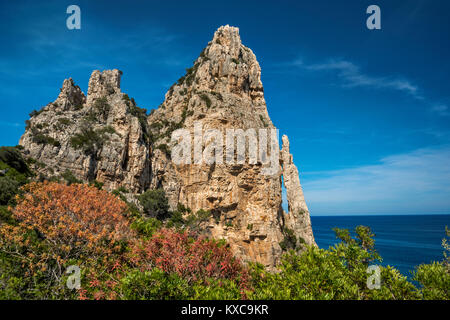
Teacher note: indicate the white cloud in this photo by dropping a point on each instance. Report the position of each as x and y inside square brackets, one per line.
[415, 182]
[441, 109]
[352, 76]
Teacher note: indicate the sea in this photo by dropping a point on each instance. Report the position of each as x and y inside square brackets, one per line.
[403, 241]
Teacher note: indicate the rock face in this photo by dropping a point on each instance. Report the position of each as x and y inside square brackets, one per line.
[298, 218]
[100, 137]
[106, 137]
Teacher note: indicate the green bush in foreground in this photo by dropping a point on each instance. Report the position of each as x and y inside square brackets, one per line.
[337, 273]
[434, 278]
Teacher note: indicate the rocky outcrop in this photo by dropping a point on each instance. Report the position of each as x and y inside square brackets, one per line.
[223, 90]
[70, 96]
[298, 218]
[101, 137]
[103, 84]
[107, 138]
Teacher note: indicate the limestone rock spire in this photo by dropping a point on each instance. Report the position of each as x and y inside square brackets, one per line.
[102, 84]
[298, 218]
[70, 96]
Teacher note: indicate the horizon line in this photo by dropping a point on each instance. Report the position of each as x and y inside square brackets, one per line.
[379, 214]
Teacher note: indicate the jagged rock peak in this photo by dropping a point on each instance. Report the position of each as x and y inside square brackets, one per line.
[103, 83]
[228, 37]
[70, 96]
[225, 66]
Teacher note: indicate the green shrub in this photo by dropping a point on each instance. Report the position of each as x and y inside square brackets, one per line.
[99, 110]
[9, 172]
[44, 139]
[90, 140]
[146, 226]
[87, 140]
[126, 98]
[154, 285]
[155, 204]
[14, 172]
[217, 95]
[13, 158]
[64, 121]
[337, 273]
[102, 107]
[106, 129]
[40, 138]
[234, 60]
[176, 220]
[289, 241]
[35, 113]
[97, 184]
[41, 125]
[223, 289]
[206, 99]
[69, 177]
[120, 190]
[434, 278]
[6, 217]
[141, 114]
[8, 189]
[182, 208]
[263, 121]
[190, 74]
[203, 55]
[189, 77]
[192, 220]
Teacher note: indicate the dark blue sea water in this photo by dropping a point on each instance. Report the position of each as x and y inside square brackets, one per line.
[402, 241]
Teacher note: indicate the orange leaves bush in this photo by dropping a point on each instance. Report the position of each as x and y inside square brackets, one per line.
[58, 225]
[73, 217]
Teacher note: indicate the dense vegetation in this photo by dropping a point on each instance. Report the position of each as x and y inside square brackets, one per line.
[123, 253]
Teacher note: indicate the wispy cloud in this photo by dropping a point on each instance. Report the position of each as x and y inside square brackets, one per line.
[57, 50]
[10, 124]
[415, 182]
[352, 76]
[441, 109]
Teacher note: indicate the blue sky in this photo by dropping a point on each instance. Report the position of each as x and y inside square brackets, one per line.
[367, 111]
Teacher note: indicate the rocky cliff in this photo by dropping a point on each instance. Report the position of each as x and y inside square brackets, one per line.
[106, 137]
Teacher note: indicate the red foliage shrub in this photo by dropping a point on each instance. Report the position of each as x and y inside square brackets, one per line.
[192, 258]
